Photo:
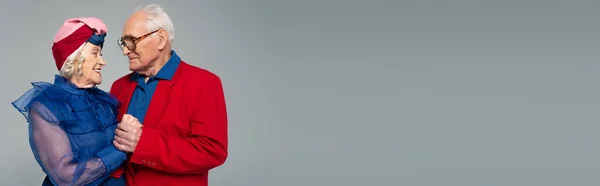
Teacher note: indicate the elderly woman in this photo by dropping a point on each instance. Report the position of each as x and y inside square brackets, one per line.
[72, 122]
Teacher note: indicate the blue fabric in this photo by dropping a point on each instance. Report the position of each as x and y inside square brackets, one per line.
[109, 182]
[97, 40]
[72, 128]
[140, 100]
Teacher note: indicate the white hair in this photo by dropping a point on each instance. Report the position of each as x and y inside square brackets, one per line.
[69, 69]
[157, 19]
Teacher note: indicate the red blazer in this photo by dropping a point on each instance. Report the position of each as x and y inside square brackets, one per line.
[185, 129]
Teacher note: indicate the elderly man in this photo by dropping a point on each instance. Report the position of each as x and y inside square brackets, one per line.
[173, 115]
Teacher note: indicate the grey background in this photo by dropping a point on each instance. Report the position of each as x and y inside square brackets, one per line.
[332, 92]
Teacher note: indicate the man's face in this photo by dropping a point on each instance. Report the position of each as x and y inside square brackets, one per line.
[145, 52]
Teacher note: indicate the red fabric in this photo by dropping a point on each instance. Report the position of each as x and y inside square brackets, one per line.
[185, 129]
[65, 47]
[117, 173]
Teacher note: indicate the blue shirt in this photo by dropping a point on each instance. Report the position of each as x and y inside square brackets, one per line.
[142, 95]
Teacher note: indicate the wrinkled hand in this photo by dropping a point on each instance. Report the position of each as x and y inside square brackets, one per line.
[128, 133]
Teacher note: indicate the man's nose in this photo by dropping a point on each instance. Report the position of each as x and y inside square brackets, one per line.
[125, 50]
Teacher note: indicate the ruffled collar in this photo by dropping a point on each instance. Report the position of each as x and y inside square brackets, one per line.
[79, 93]
[69, 86]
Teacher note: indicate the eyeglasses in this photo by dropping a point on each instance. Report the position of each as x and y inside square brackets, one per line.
[130, 41]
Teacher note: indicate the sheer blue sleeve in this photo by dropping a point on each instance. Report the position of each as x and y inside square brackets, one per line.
[53, 147]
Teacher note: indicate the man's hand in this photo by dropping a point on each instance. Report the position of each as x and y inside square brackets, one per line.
[128, 133]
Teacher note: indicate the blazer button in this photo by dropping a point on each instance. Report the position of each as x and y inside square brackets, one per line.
[153, 163]
[143, 161]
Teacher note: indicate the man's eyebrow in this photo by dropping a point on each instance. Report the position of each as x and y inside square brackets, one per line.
[128, 35]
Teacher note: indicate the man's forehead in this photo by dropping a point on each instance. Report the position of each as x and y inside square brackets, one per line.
[135, 25]
[133, 28]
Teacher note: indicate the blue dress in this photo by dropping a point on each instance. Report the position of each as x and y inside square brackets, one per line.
[71, 131]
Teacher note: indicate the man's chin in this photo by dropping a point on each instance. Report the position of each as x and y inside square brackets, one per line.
[136, 69]
[132, 68]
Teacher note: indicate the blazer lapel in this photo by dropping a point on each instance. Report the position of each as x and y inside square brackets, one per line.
[126, 95]
[160, 101]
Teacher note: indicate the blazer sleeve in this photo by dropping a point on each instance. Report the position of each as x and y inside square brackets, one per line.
[203, 149]
[52, 149]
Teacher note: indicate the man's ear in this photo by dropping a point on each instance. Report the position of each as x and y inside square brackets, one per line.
[163, 37]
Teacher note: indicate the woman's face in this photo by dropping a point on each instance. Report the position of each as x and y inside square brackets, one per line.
[91, 67]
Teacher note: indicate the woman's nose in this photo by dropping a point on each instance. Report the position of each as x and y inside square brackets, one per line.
[102, 62]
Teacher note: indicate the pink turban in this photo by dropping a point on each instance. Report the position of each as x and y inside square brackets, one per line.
[74, 33]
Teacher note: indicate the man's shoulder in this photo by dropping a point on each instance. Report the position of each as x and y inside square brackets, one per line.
[190, 71]
[119, 83]
[124, 78]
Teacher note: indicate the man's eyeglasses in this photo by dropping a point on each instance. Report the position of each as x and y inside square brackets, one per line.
[130, 41]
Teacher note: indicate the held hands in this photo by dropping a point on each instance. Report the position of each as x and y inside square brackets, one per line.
[128, 133]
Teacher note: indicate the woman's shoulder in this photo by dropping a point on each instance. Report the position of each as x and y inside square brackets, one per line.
[51, 94]
[46, 98]
[63, 99]
[48, 93]
[41, 92]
